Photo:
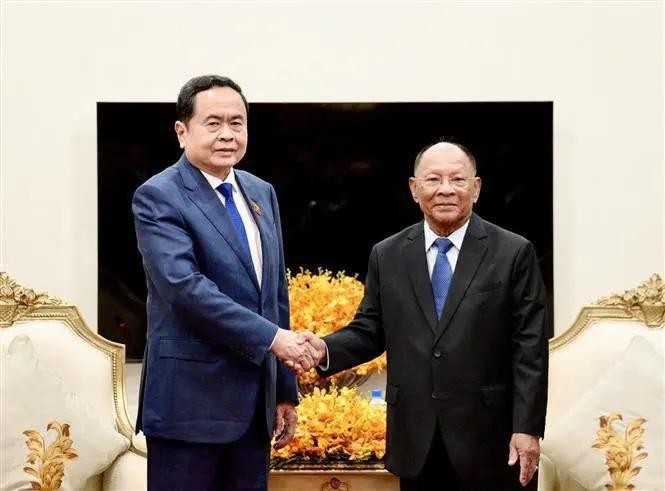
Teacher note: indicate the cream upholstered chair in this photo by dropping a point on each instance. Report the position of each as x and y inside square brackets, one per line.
[607, 371]
[63, 400]
[42, 339]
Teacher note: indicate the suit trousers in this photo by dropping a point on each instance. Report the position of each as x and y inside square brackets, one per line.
[241, 465]
[438, 474]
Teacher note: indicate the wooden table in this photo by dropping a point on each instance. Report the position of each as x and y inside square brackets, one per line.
[332, 480]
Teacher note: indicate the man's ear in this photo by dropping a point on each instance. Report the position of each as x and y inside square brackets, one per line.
[477, 184]
[413, 187]
[180, 131]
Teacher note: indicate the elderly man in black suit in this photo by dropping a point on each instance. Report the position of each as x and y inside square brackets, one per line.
[459, 305]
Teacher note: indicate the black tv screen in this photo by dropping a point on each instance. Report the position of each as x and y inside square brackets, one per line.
[341, 174]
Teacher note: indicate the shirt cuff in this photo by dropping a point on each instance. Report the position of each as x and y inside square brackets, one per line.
[273, 341]
[325, 367]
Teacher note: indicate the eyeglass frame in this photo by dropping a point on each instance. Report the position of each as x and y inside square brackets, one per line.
[442, 179]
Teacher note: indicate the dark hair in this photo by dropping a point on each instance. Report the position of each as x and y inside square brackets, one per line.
[186, 98]
[466, 151]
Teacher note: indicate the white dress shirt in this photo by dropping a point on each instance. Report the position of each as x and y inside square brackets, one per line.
[457, 237]
[251, 229]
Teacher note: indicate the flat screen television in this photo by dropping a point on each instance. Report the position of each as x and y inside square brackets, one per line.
[341, 174]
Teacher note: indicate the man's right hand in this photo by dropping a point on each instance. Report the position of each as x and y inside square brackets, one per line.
[294, 351]
[318, 345]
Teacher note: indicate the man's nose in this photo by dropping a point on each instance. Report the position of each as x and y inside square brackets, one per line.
[225, 132]
[445, 187]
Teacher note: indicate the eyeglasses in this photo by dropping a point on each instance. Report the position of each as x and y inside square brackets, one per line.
[432, 183]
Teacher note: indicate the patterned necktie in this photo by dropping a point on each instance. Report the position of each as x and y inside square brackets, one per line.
[226, 189]
[441, 275]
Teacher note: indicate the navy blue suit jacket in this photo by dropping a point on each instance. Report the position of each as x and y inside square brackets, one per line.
[209, 324]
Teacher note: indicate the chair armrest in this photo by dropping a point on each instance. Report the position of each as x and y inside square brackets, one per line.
[139, 444]
[546, 474]
[555, 478]
[128, 471]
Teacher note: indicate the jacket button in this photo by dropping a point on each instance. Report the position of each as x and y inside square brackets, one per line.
[437, 354]
[433, 395]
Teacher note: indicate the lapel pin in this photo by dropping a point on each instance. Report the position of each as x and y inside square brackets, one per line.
[256, 208]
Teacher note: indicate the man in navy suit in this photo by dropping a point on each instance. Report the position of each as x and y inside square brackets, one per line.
[214, 387]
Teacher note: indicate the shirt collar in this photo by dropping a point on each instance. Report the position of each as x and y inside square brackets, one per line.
[457, 237]
[216, 181]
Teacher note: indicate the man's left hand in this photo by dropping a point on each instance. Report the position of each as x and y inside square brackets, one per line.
[285, 424]
[527, 449]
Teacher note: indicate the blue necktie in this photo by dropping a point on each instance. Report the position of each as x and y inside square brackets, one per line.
[226, 189]
[441, 275]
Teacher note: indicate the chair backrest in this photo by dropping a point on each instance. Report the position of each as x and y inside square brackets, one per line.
[89, 365]
[597, 339]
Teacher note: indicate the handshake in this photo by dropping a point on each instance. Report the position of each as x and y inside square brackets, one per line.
[299, 351]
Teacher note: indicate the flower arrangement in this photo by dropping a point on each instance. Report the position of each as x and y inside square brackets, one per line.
[324, 303]
[335, 426]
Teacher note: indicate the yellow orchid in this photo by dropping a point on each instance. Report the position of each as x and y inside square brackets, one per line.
[324, 303]
[336, 425]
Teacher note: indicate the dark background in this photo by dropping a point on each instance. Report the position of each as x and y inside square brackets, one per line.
[341, 174]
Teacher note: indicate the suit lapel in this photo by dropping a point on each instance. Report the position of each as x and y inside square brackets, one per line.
[249, 194]
[206, 199]
[416, 264]
[471, 254]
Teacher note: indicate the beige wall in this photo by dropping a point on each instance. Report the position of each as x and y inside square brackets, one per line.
[601, 63]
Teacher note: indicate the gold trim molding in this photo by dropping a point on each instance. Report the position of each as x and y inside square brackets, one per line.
[645, 303]
[17, 301]
[40, 306]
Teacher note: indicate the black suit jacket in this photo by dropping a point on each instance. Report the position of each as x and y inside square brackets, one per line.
[480, 371]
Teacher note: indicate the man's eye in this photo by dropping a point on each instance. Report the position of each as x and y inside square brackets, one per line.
[456, 181]
[212, 124]
[236, 124]
[432, 180]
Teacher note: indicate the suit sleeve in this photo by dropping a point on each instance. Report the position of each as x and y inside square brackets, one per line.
[286, 381]
[364, 338]
[530, 346]
[170, 263]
